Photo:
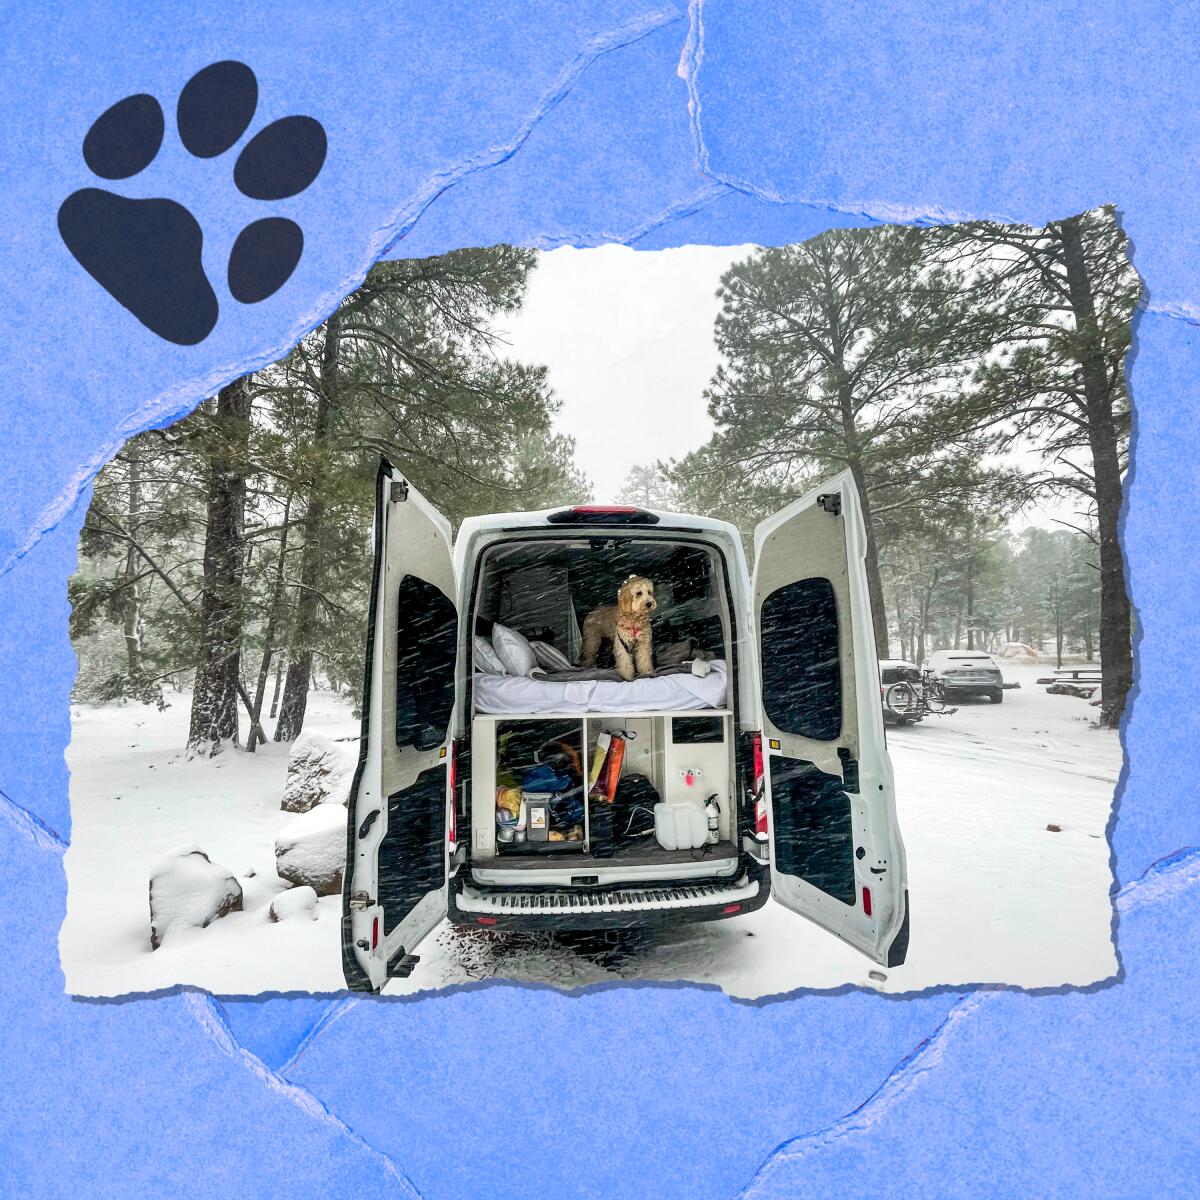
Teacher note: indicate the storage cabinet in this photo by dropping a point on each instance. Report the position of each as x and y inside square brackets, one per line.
[682, 754]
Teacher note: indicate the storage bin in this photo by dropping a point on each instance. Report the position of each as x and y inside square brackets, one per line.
[680, 825]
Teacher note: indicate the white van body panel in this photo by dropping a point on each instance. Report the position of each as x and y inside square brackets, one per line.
[821, 537]
[413, 540]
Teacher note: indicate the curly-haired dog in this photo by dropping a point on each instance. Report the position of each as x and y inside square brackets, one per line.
[627, 625]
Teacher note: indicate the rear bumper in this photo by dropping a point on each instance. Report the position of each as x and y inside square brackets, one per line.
[647, 917]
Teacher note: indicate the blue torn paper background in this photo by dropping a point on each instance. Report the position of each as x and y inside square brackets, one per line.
[547, 124]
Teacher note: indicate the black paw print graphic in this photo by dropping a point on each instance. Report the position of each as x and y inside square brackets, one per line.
[146, 253]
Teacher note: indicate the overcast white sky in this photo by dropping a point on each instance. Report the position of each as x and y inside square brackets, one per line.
[627, 336]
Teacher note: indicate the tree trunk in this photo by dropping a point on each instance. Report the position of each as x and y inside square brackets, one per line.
[304, 629]
[1058, 627]
[214, 716]
[971, 603]
[264, 667]
[134, 623]
[874, 578]
[278, 685]
[1116, 615]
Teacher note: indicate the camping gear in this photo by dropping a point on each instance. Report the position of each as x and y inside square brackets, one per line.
[633, 809]
[544, 778]
[603, 741]
[509, 798]
[566, 808]
[681, 824]
[537, 809]
[600, 820]
[605, 786]
[562, 754]
[712, 813]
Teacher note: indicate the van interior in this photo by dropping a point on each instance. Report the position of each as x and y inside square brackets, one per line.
[576, 795]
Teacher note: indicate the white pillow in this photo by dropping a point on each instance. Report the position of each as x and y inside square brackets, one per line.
[549, 657]
[514, 650]
[486, 658]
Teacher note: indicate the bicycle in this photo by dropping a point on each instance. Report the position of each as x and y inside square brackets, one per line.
[911, 702]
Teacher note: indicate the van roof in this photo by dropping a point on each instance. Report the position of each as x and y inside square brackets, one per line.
[541, 520]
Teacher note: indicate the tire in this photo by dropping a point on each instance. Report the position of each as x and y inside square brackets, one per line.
[901, 701]
[996, 696]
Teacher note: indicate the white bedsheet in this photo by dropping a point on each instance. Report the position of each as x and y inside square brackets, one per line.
[519, 694]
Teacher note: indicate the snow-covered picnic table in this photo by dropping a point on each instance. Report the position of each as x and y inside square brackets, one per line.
[1081, 681]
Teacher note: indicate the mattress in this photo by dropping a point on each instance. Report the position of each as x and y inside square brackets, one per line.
[522, 694]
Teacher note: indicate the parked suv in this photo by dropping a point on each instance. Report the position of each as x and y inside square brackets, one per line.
[967, 673]
[779, 723]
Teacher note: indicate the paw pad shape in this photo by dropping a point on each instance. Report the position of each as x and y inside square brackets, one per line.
[146, 253]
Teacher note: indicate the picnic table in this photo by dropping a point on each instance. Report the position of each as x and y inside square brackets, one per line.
[1082, 681]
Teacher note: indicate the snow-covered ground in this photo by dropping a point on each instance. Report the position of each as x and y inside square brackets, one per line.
[134, 798]
[996, 895]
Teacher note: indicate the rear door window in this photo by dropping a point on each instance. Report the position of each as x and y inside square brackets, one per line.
[802, 677]
[426, 641]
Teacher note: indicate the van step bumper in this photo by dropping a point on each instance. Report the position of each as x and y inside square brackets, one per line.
[612, 908]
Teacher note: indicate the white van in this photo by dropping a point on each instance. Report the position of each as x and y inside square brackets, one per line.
[787, 677]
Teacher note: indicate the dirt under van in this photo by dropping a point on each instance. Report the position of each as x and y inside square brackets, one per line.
[503, 784]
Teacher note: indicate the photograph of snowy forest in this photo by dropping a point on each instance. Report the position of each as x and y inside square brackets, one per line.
[970, 377]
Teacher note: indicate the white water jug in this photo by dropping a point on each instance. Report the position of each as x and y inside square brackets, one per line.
[680, 824]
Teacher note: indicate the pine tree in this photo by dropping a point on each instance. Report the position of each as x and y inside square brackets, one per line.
[1067, 295]
[833, 352]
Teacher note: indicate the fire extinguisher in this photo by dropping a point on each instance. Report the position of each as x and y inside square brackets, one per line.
[712, 810]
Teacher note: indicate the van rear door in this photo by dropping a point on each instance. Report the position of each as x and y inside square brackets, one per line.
[396, 861]
[836, 852]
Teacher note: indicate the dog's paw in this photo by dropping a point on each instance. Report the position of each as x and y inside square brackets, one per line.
[146, 253]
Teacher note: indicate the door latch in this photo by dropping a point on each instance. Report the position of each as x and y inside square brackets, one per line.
[399, 490]
[831, 502]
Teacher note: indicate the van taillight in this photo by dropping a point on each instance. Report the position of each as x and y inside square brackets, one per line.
[867, 901]
[374, 933]
[452, 819]
[760, 796]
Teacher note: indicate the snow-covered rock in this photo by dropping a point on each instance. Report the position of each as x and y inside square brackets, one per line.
[320, 771]
[189, 891]
[311, 849]
[295, 902]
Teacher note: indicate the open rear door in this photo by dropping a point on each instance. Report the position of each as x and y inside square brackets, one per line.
[836, 852]
[396, 860]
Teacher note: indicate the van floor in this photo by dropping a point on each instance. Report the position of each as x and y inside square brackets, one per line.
[625, 856]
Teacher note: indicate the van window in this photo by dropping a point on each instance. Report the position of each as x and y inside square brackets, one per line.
[545, 589]
[801, 669]
[426, 644]
[814, 833]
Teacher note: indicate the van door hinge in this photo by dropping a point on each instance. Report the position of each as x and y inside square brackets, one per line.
[399, 490]
[831, 502]
[361, 900]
